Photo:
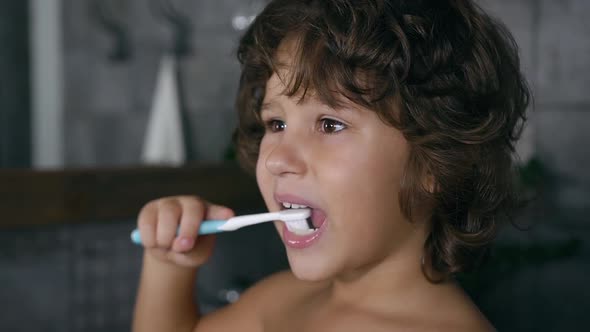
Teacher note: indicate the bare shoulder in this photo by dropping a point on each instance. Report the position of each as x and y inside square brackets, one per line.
[458, 313]
[467, 323]
[266, 298]
[441, 308]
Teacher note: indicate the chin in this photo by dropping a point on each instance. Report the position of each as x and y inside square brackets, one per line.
[308, 269]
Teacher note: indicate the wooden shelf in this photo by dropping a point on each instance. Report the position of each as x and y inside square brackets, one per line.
[29, 197]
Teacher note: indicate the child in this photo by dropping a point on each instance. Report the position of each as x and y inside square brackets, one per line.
[395, 122]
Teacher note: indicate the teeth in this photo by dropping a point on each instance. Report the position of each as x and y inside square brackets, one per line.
[299, 227]
[293, 206]
[304, 232]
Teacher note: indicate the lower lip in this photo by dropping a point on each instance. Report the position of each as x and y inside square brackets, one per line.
[295, 241]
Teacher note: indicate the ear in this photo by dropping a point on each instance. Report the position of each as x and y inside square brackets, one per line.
[429, 182]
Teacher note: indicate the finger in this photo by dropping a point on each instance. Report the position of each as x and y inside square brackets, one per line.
[169, 211]
[218, 212]
[193, 212]
[146, 223]
[197, 256]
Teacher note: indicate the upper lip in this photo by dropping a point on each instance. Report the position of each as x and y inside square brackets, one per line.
[291, 198]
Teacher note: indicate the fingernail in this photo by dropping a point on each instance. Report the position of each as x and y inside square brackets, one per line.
[229, 212]
[186, 242]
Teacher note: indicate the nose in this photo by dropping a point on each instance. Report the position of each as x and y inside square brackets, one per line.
[285, 157]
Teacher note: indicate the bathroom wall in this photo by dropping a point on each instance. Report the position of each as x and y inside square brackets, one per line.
[539, 282]
[83, 278]
[14, 94]
[108, 98]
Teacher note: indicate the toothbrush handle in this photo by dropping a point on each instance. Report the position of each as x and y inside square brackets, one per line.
[211, 227]
[207, 227]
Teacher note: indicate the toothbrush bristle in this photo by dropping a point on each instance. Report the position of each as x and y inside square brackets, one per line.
[310, 223]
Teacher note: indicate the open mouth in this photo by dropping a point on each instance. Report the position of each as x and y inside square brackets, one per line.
[307, 226]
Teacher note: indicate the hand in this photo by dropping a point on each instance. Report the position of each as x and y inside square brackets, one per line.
[159, 221]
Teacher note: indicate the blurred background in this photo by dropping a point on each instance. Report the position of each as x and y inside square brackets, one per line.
[79, 81]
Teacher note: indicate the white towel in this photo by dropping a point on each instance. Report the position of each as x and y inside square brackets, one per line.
[164, 139]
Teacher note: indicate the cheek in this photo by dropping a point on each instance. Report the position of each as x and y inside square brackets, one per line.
[367, 184]
[261, 157]
[263, 177]
[367, 192]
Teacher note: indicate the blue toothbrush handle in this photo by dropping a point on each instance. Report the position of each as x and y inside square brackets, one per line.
[211, 227]
[207, 227]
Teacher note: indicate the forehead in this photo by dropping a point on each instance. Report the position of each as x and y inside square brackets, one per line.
[276, 95]
[306, 80]
[284, 56]
[292, 75]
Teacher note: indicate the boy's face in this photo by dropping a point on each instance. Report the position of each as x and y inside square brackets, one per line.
[345, 164]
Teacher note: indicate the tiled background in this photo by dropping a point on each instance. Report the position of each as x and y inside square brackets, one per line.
[105, 96]
[83, 278]
[15, 123]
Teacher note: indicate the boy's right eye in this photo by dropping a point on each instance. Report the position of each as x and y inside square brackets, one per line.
[275, 125]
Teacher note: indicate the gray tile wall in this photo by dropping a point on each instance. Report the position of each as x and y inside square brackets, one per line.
[83, 278]
[15, 119]
[549, 292]
[107, 102]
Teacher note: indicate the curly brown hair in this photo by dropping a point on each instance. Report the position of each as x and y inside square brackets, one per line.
[444, 73]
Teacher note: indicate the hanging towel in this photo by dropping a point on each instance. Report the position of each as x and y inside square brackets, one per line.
[164, 138]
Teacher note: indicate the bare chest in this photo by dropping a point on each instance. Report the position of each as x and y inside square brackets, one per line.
[316, 319]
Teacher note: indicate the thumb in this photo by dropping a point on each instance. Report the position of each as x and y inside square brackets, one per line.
[218, 212]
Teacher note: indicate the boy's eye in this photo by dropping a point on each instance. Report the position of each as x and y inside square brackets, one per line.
[331, 126]
[275, 125]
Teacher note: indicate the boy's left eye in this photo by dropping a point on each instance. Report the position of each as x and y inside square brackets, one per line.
[331, 126]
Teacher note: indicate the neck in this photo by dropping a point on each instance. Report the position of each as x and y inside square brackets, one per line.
[397, 282]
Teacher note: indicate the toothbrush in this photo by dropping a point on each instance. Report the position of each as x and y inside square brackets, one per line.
[296, 218]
